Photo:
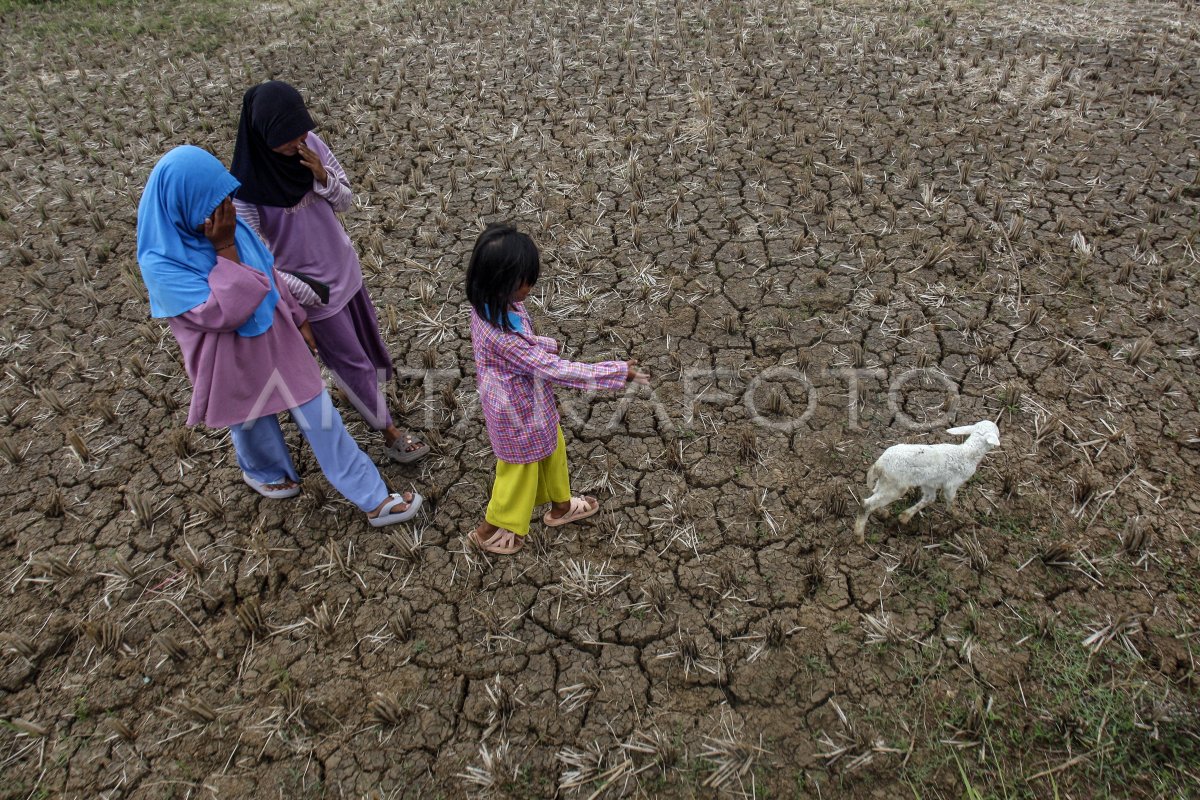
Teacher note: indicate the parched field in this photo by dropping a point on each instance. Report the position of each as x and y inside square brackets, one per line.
[825, 227]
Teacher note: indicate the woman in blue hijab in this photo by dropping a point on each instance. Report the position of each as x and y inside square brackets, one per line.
[245, 340]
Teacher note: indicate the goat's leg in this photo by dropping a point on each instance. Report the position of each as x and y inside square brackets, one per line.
[860, 528]
[881, 498]
[928, 495]
[949, 491]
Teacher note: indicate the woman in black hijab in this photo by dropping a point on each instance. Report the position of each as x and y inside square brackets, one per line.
[292, 189]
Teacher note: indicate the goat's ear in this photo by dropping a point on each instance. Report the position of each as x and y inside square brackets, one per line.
[965, 430]
[992, 439]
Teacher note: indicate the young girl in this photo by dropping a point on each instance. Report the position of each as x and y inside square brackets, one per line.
[291, 188]
[244, 339]
[515, 371]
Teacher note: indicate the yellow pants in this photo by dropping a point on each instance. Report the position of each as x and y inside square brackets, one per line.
[519, 488]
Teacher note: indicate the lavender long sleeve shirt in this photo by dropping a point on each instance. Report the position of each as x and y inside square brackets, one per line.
[309, 238]
[237, 378]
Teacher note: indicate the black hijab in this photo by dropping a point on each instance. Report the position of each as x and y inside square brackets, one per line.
[273, 113]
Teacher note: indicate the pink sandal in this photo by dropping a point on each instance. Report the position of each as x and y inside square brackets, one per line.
[581, 508]
[492, 543]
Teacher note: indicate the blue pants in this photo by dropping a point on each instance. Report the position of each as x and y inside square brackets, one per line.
[263, 455]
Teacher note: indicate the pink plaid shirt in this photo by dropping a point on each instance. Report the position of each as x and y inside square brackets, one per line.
[515, 374]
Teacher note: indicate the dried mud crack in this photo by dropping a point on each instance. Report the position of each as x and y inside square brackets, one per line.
[824, 227]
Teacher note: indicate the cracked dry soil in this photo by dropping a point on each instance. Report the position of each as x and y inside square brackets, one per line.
[863, 217]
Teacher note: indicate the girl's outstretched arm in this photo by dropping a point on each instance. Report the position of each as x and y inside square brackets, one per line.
[529, 357]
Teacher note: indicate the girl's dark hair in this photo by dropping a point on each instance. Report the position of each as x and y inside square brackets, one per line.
[503, 260]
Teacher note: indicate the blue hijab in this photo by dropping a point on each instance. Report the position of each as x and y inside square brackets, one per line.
[185, 186]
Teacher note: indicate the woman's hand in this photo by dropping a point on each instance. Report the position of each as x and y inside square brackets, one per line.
[635, 375]
[309, 339]
[220, 226]
[311, 160]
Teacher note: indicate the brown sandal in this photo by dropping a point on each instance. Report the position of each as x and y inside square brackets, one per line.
[399, 449]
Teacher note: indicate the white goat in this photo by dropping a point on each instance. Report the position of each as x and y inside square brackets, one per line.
[929, 466]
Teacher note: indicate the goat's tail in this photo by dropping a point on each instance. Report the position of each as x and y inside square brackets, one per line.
[872, 476]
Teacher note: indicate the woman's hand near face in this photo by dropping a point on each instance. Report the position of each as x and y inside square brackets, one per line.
[311, 160]
[220, 226]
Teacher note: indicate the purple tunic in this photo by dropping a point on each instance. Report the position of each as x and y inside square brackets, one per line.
[238, 378]
[309, 238]
[349, 345]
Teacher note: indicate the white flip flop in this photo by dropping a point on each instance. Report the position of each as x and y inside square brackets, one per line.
[386, 518]
[271, 494]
